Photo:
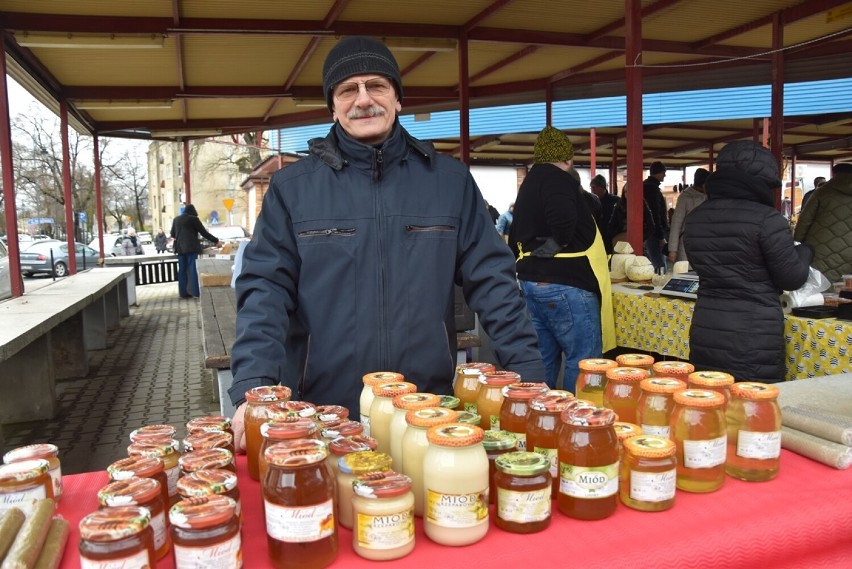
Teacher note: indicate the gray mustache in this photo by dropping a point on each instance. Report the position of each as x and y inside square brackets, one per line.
[364, 113]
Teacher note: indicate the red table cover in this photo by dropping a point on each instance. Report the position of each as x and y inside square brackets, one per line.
[803, 518]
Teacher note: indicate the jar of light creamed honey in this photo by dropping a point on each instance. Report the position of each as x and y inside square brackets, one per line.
[384, 516]
[370, 380]
[698, 429]
[415, 443]
[754, 432]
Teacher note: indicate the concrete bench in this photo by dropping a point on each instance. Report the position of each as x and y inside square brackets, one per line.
[47, 333]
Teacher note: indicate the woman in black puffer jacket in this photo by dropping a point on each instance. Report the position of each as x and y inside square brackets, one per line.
[742, 249]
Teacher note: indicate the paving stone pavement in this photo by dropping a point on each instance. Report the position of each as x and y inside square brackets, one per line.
[151, 372]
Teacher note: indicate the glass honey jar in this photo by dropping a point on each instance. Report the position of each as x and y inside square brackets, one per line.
[543, 429]
[210, 482]
[218, 458]
[282, 429]
[489, 400]
[699, 431]
[258, 402]
[166, 450]
[591, 380]
[117, 537]
[415, 444]
[523, 487]
[156, 432]
[656, 403]
[24, 483]
[455, 481]
[366, 400]
[298, 497]
[675, 369]
[46, 451]
[496, 444]
[648, 475]
[641, 361]
[402, 404]
[384, 516]
[624, 431]
[515, 408]
[712, 381]
[342, 446]
[206, 533]
[382, 409]
[754, 432]
[466, 384]
[142, 467]
[588, 463]
[143, 492]
[622, 392]
[350, 467]
[209, 423]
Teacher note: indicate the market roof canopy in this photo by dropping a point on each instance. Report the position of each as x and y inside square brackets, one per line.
[191, 68]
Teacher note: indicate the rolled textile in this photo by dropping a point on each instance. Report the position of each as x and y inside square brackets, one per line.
[815, 448]
[818, 422]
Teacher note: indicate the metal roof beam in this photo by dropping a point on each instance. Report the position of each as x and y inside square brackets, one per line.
[486, 13]
[618, 24]
[161, 92]
[530, 49]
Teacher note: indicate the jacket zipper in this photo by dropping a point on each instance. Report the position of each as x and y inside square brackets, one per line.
[427, 228]
[384, 340]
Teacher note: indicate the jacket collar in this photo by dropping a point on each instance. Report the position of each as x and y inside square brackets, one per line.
[730, 183]
[338, 149]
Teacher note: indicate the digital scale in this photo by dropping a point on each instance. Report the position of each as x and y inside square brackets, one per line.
[682, 285]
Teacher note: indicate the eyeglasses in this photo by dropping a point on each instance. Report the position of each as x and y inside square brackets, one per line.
[378, 87]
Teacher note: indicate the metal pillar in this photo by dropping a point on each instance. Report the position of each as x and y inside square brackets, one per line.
[464, 100]
[548, 105]
[99, 202]
[777, 126]
[711, 156]
[187, 179]
[793, 182]
[70, 226]
[593, 147]
[11, 213]
[613, 167]
[633, 58]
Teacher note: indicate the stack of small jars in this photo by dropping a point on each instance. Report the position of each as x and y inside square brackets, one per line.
[158, 498]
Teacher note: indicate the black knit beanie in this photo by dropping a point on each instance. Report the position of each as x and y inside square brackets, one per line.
[358, 55]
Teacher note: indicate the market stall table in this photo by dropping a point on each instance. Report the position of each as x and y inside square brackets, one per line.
[803, 518]
[660, 324]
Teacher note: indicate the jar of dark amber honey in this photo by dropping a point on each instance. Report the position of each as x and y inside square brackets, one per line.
[206, 533]
[515, 408]
[258, 402]
[46, 451]
[522, 485]
[117, 537]
[143, 467]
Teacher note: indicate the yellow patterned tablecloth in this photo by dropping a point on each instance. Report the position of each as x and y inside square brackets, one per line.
[661, 324]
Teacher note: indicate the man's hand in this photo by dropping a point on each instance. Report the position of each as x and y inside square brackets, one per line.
[672, 256]
[238, 425]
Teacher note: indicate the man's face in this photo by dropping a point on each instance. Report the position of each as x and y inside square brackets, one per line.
[660, 175]
[366, 107]
[597, 190]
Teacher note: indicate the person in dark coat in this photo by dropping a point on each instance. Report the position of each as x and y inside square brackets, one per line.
[185, 230]
[161, 240]
[608, 201]
[742, 250]
[617, 226]
[654, 242]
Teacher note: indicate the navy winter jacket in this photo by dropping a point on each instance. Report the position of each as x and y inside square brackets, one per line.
[361, 247]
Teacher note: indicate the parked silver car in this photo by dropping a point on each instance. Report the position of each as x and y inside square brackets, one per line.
[112, 245]
[5, 277]
[37, 258]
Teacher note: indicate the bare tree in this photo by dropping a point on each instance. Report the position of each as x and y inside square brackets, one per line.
[126, 176]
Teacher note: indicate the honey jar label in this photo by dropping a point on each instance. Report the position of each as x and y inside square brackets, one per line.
[705, 454]
[521, 441]
[653, 486]
[761, 446]
[56, 479]
[365, 422]
[139, 559]
[457, 510]
[386, 531]
[224, 555]
[588, 482]
[301, 524]
[495, 422]
[172, 475]
[161, 532]
[24, 500]
[523, 507]
[656, 430]
[551, 454]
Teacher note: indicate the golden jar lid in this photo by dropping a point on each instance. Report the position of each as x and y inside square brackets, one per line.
[662, 385]
[626, 430]
[455, 435]
[391, 390]
[410, 401]
[634, 360]
[754, 390]
[699, 398]
[597, 364]
[673, 368]
[626, 374]
[711, 378]
[650, 446]
[362, 462]
[380, 377]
